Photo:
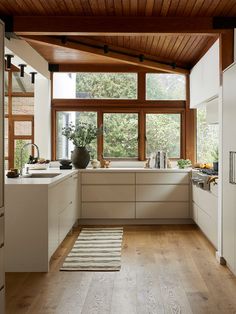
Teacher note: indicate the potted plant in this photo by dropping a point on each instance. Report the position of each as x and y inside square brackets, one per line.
[81, 135]
[184, 163]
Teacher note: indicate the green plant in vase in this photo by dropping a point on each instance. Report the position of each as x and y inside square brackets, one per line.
[81, 135]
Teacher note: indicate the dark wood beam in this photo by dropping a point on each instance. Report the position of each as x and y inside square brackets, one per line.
[112, 26]
[97, 50]
[226, 49]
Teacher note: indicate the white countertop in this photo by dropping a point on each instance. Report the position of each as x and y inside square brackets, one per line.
[66, 173]
[42, 181]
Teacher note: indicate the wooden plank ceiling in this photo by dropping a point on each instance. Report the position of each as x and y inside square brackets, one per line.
[182, 49]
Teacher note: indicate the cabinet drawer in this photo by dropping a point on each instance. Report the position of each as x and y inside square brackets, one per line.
[108, 178]
[108, 193]
[160, 193]
[208, 226]
[162, 178]
[61, 194]
[66, 221]
[206, 201]
[108, 210]
[1, 230]
[2, 277]
[162, 210]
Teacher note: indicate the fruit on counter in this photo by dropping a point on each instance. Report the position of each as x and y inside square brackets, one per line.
[206, 165]
[43, 161]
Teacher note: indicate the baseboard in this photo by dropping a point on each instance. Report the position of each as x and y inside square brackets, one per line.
[220, 259]
[135, 221]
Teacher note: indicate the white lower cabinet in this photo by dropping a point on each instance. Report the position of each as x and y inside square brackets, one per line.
[134, 195]
[108, 210]
[162, 210]
[204, 212]
[66, 222]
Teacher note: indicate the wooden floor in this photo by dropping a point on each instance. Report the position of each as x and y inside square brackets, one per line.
[165, 269]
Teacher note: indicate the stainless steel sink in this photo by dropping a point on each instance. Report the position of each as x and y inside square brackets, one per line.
[41, 175]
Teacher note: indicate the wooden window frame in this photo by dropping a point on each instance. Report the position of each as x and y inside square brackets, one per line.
[15, 117]
[140, 106]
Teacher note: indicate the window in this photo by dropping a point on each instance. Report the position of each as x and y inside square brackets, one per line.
[84, 85]
[64, 146]
[120, 135]
[165, 87]
[207, 138]
[163, 133]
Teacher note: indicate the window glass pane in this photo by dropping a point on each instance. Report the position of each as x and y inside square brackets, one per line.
[95, 85]
[120, 135]
[6, 165]
[6, 137]
[163, 133]
[6, 105]
[22, 84]
[23, 105]
[64, 118]
[17, 152]
[207, 139]
[6, 82]
[22, 128]
[165, 87]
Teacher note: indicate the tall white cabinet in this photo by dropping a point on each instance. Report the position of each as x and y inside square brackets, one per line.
[229, 166]
[2, 275]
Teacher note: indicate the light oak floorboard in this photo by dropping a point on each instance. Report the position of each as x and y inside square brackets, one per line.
[165, 269]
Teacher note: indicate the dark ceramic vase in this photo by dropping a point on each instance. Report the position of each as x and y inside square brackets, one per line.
[80, 157]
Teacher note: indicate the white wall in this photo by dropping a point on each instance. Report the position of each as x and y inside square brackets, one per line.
[64, 85]
[42, 117]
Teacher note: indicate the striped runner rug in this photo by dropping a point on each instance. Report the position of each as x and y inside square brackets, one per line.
[96, 249]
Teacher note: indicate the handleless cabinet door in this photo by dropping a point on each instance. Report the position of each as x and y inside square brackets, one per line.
[162, 193]
[108, 193]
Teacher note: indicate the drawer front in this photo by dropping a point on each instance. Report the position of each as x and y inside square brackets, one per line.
[162, 210]
[108, 178]
[108, 210]
[2, 279]
[162, 178]
[195, 212]
[206, 201]
[66, 222]
[61, 194]
[108, 193]
[1, 230]
[208, 226]
[160, 193]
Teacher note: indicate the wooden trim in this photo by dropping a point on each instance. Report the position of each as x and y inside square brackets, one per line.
[226, 50]
[19, 94]
[116, 103]
[112, 25]
[114, 55]
[190, 127]
[141, 87]
[111, 68]
[142, 136]
[100, 138]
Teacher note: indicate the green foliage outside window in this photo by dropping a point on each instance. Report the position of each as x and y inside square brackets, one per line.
[106, 85]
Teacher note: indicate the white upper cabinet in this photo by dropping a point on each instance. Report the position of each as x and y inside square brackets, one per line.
[205, 77]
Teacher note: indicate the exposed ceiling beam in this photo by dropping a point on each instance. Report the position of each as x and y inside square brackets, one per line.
[109, 25]
[124, 57]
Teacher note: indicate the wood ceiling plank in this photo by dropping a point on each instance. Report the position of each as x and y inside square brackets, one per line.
[126, 7]
[102, 7]
[188, 8]
[157, 7]
[110, 7]
[159, 46]
[86, 7]
[171, 46]
[149, 7]
[220, 8]
[165, 7]
[128, 59]
[211, 8]
[183, 44]
[173, 7]
[78, 7]
[141, 7]
[181, 7]
[168, 40]
[38, 7]
[197, 7]
[118, 7]
[191, 45]
[149, 44]
[133, 7]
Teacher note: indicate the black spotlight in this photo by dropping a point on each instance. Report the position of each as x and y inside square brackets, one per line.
[8, 65]
[33, 77]
[22, 69]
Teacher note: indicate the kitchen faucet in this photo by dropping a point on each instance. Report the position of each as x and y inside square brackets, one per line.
[21, 154]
